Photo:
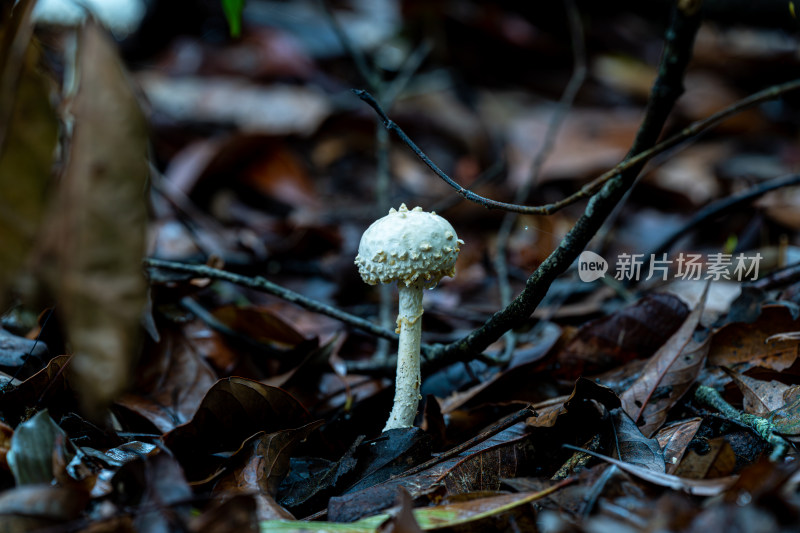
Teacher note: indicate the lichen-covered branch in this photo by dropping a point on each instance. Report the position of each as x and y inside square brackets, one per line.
[763, 427]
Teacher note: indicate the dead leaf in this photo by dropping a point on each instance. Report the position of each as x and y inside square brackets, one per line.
[716, 461]
[260, 466]
[47, 388]
[760, 397]
[786, 418]
[96, 230]
[674, 367]
[231, 411]
[172, 381]
[478, 468]
[632, 332]
[402, 520]
[311, 480]
[699, 487]
[743, 346]
[674, 439]
[585, 390]
[6, 432]
[162, 486]
[259, 324]
[15, 350]
[504, 512]
[635, 448]
[32, 507]
[236, 514]
[589, 142]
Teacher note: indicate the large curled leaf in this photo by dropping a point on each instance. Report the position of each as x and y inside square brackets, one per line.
[96, 234]
[233, 410]
[760, 397]
[700, 487]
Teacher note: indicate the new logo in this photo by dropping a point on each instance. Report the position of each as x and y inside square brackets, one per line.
[591, 266]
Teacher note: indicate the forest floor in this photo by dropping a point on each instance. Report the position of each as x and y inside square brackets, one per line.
[238, 379]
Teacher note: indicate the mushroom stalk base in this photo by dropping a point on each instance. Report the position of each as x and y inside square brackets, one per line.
[408, 380]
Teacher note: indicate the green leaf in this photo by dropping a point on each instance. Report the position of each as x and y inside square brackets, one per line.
[233, 12]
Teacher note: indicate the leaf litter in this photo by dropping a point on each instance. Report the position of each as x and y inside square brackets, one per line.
[229, 409]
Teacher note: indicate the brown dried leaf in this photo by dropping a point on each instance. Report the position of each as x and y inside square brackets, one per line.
[5, 443]
[275, 109]
[41, 505]
[260, 324]
[588, 142]
[760, 397]
[743, 346]
[787, 417]
[47, 388]
[632, 332]
[699, 487]
[96, 233]
[676, 382]
[232, 410]
[263, 461]
[674, 367]
[236, 514]
[674, 440]
[14, 350]
[171, 382]
[585, 390]
[717, 461]
[260, 466]
[635, 448]
[481, 467]
[160, 480]
[403, 520]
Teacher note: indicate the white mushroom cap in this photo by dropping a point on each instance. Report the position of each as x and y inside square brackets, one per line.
[405, 246]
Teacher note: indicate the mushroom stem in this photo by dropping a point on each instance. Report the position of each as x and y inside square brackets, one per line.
[408, 379]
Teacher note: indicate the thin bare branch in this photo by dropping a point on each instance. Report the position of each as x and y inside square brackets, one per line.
[592, 187]
[261, 284]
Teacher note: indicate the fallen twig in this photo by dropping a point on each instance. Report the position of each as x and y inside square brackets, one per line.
[261, 284]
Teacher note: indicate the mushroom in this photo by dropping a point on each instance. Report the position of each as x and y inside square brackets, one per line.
[416, 249]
